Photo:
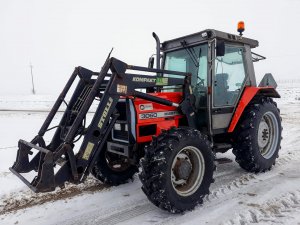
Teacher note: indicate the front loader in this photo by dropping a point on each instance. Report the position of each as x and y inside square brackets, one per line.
[170, 122]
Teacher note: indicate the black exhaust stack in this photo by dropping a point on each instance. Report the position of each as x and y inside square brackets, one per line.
[157, 50]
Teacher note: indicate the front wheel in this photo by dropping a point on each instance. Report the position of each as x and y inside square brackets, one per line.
[258, 137]
[113, 169]
[177, 169]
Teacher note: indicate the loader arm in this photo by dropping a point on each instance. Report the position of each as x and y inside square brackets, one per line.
[108, 88]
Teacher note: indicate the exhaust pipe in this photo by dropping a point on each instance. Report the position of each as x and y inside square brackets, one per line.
[157, 50]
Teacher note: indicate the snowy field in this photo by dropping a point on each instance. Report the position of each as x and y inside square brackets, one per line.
[237, 197]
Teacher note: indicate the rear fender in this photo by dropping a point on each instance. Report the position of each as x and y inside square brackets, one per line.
[246, 98]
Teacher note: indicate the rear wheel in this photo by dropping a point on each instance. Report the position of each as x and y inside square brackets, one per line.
[258, 137]
[113, 169]
[177, 169]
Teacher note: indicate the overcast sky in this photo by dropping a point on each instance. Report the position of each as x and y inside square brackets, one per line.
[55, 36]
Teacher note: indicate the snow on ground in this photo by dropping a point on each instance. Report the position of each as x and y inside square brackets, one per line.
[25, 102]
[237, 197]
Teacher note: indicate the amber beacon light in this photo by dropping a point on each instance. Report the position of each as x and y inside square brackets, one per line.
[241, 27]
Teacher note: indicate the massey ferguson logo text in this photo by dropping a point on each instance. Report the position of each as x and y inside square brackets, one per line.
[104, 114]
[144, 79]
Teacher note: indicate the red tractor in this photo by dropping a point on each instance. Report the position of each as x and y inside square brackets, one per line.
[201, 99]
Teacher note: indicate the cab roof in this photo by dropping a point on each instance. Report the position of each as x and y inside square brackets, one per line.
[206, 35]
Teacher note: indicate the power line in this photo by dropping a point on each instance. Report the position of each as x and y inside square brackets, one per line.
[33, 91]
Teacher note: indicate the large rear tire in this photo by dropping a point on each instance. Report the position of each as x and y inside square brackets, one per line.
[258, 136]
[113, 169]
[177, 169]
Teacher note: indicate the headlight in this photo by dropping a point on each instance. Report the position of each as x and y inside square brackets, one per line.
[117, 126]
[123, 127]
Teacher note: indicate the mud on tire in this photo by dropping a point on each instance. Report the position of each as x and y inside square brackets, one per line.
[161, 174]
[258, 136]
[112, 169]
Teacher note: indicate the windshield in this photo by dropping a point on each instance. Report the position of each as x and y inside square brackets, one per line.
[189, 59]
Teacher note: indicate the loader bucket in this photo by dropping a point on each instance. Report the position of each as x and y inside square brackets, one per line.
[42, 162]
[60, 150]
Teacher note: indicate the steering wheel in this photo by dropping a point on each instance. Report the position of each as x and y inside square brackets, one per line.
[200, 86]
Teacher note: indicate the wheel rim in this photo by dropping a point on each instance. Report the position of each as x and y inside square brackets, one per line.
[187, 171]
[116, 163]
[268, 135]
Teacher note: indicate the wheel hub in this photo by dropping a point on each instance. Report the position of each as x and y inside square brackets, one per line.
[187, 171]
[267, 136]
[263, 134]
[182, 168]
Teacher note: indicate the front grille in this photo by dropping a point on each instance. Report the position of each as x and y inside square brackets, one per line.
[120, 131]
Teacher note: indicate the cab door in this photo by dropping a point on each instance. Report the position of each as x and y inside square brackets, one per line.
[228, 79]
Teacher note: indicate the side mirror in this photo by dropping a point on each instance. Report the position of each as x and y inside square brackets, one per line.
[220, 49]
[151, 62]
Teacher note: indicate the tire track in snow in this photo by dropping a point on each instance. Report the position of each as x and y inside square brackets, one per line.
[114, 216]
[245, 179]
[126, 215]
[276, 210]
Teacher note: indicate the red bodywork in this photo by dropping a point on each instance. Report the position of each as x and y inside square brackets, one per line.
[166, 122]
[247, 96]
[163, 123]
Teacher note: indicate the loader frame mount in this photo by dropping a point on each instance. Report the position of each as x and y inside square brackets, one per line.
[108, 88]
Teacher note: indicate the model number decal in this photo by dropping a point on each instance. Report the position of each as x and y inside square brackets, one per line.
[152, 115]
[148, 116]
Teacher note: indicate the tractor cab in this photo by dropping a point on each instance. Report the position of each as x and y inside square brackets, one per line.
[221, 66]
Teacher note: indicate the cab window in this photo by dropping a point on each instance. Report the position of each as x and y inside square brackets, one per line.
[192, 60]
[229, 76]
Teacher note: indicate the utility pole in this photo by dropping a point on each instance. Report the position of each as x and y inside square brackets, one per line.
[33, 91]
